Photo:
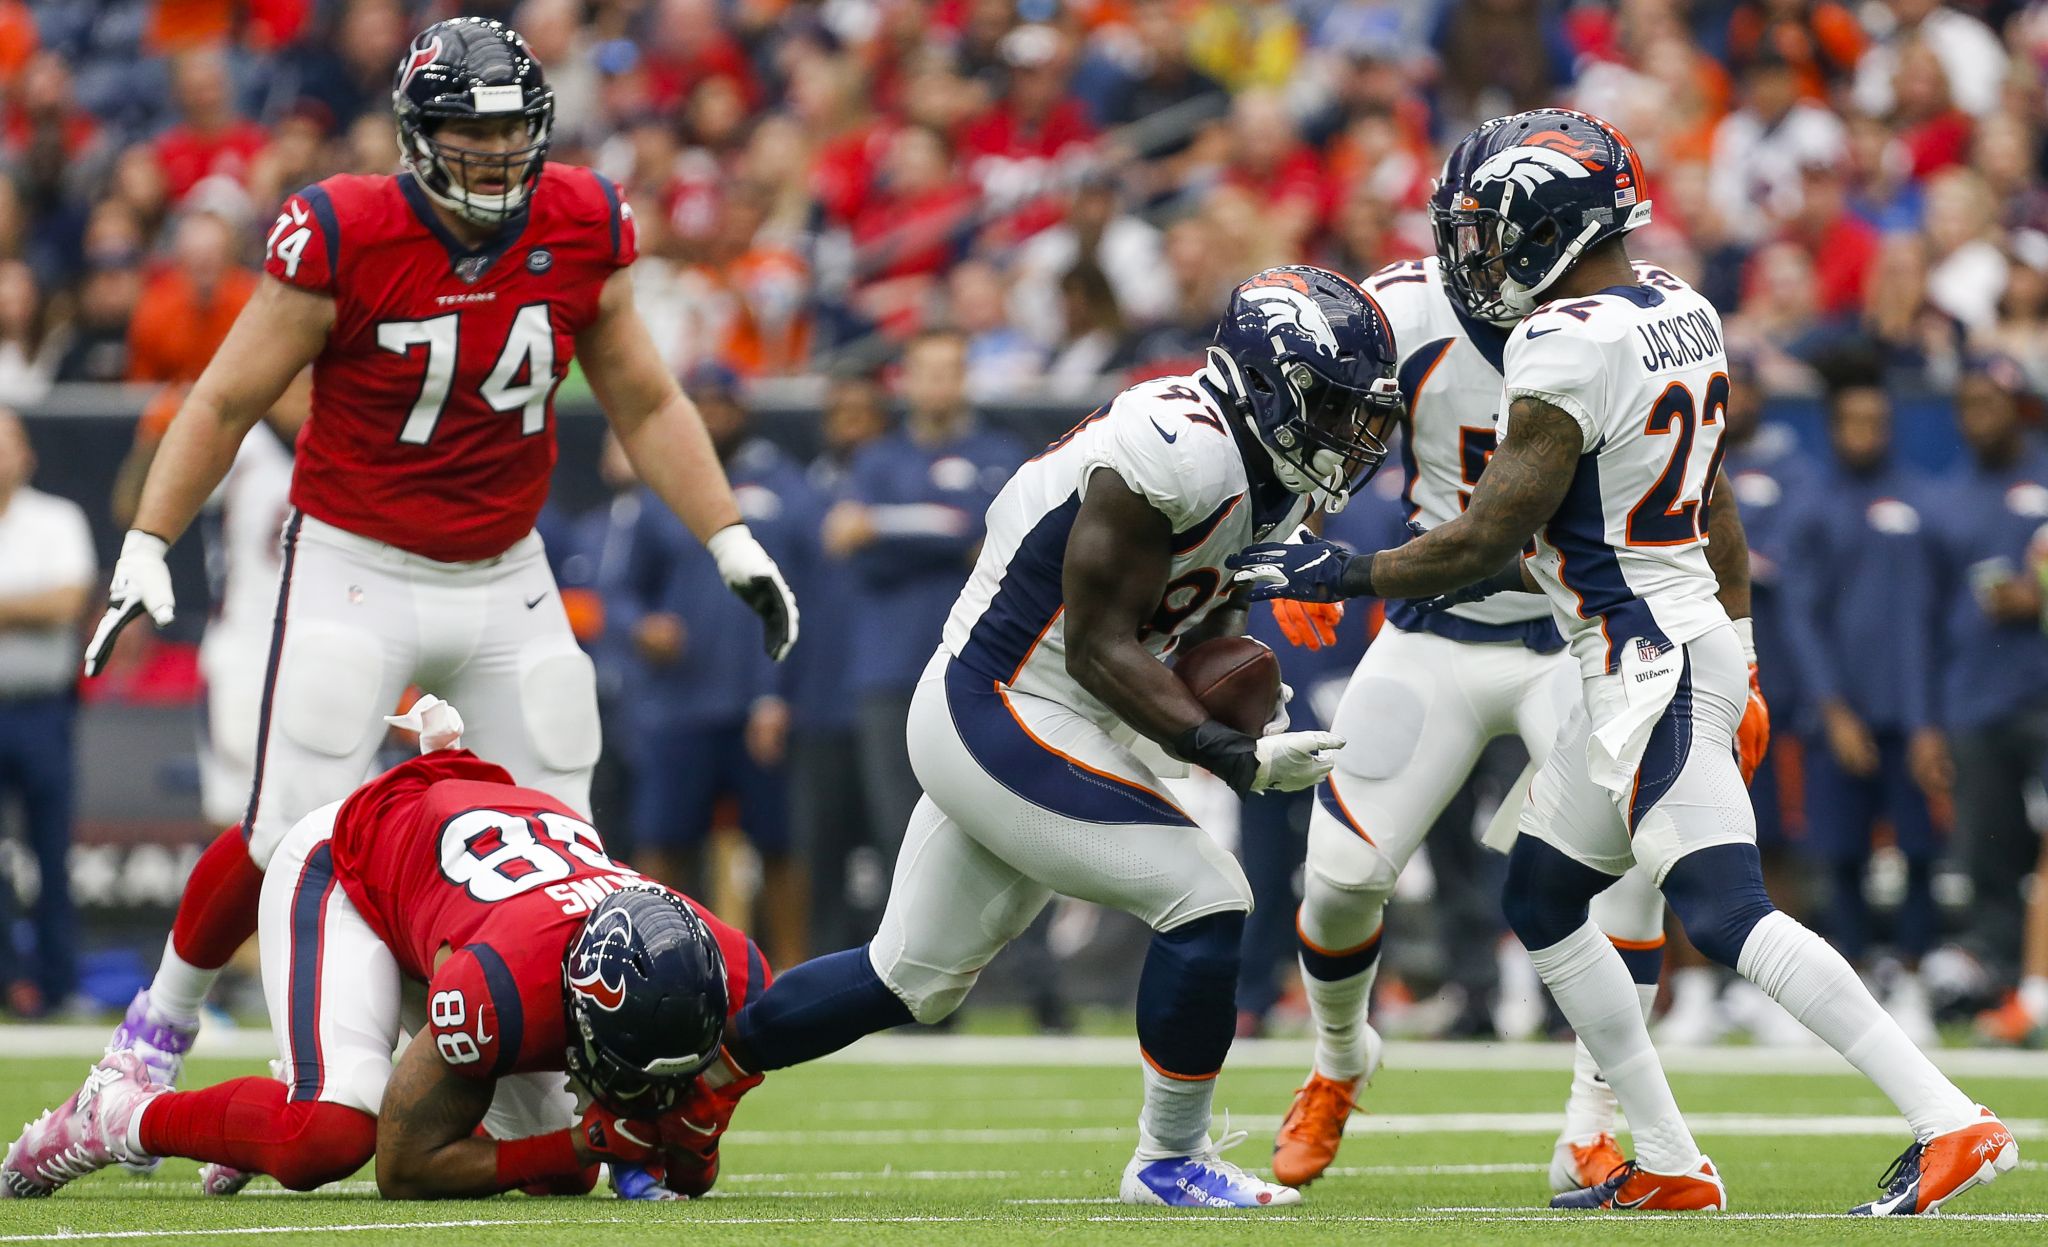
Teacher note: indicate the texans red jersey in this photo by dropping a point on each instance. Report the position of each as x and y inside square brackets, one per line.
[433, 399]
[445, 851]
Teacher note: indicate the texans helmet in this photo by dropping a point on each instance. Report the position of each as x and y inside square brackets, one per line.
[1521, 198]
[472, 67]
[644, 994]
[1306, 359]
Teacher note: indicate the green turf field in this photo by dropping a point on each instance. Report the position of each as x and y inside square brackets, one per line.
[937, 1140]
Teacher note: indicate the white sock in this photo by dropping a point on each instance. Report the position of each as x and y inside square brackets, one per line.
[1591, 984]
[179, 988]
[2034, 997]
[1339, 1006]
[1590, 1108]
[1175, 1118]
[1802, 972]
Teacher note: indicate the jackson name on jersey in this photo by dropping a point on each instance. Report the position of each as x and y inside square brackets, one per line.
[1172, 444]
[1642, 371]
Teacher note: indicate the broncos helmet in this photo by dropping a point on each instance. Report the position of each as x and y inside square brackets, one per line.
[1306, 359]
[644, 995]
[472, 67]
[1521, 198]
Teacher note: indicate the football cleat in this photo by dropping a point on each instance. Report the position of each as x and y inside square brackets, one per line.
[1928, 1175]
[1632, 1188]
[2009, 1025]
[1576, 1165]
[161, 1044]
[638, 1182]
[1203, 1180]
[222, 1180]
[1307, 1140]
[84, 1134]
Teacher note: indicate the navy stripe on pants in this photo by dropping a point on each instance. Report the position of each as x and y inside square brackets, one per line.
[309, 918]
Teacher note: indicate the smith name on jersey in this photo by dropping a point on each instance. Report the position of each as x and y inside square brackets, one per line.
[433, 399]
[1172, 444]
[1642, 371]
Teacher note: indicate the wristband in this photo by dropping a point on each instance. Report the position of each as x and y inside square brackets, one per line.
[1745, 632]
[536, 1159]
[1227, 753]
[1356, 579]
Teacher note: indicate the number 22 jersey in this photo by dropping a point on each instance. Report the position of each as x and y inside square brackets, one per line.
[445, 851]
[1641, 370]
[433, 399]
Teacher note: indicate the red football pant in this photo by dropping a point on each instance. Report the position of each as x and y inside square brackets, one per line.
[217, 913]
[250, 1124]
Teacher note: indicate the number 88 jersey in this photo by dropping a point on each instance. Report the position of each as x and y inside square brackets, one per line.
[1642, 371]
[433, 398]
[444, 851]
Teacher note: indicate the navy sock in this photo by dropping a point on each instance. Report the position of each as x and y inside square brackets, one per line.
[1645, 965]
[1336, 967]
[813, 1010]
[1187, 996]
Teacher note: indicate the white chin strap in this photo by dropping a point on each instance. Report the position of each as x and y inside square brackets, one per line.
[1327, 465]
[1521, 300]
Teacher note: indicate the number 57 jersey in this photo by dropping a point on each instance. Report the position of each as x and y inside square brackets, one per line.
[1642, 372]
[433, 398]
[444, 851]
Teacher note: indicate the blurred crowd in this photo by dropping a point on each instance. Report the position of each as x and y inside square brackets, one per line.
[1072, 185]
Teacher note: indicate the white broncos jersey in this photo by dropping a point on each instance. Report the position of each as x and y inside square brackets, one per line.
[1642, 371]
[1172, 444]
[1450, 373]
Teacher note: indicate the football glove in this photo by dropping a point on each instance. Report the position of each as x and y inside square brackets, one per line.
[1310, 570]
[1279, 720]
[141, 583]
[435, 722]
[753, 577]
[1308, 625]
[1291, 761]
[1753, 734]
[615, 1139]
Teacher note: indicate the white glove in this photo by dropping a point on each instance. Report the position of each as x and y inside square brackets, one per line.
[752, 575]
[1291, 761]
[1278, 723]
[438, 724]
[141, 583]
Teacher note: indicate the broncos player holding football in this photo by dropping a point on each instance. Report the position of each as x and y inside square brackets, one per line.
[1610, 433]
[438, 309]
[539, 956]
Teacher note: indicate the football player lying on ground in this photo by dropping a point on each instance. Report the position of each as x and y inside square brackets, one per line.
[539, 956]
[1103, 554]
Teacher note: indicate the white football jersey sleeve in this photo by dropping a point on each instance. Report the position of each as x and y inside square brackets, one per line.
[1171, 443]
[1642, 371]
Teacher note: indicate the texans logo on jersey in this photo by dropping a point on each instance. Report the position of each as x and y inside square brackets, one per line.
[599, 975]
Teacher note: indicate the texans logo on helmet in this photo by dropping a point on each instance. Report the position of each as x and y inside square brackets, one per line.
[1284, 301]
[600, 973]
[423, 55]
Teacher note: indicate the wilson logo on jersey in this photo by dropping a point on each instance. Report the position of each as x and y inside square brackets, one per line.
[1287, 304]
[600, 973]
[423, 55]
[1529, 167]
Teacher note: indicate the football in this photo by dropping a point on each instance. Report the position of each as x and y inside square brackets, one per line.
[1236, 678]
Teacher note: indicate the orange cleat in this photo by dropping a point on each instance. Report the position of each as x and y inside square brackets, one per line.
[1314, 1126]
[1632, 1188]
[2009, 1025]
[1928, 1175]
[1576, 1166]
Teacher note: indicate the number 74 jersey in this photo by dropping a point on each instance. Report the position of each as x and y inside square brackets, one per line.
[433, 398]
[444, 851]
[1641, 370]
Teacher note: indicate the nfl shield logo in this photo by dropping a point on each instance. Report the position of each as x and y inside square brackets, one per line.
[469, 268]
[1647, 650]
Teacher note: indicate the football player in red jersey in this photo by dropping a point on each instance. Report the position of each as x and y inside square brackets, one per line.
[540, 956]
[437, 309]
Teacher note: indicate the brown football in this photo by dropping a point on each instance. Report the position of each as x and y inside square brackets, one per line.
[1236, 678]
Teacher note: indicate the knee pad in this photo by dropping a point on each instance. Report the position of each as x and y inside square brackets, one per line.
[1341, 859]
[1719, 897]
[930, 969]
[558, 703]
[1547, 894]
[325, 696]
[1221, 888]
[1631, 909]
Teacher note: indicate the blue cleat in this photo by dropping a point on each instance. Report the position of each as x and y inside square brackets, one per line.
[1204, 1180]
[634, 1182]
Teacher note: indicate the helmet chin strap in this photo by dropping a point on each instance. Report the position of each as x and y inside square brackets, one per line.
[1520, 299]
[1223, 374]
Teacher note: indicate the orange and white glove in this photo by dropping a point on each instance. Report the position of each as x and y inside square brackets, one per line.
[1753, 734]
[1308, 625]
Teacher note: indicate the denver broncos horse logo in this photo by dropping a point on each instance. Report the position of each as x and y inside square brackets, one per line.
[1283, 299]
[1529, 167]
[423, 55]
[600, 973]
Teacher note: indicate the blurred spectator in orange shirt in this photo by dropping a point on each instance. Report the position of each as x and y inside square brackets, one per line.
[186, 309]
[1820, 39]
[18, 38]
[209, 137]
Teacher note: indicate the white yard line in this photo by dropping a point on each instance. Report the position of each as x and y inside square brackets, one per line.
[930, 1051]
[73, 1236]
